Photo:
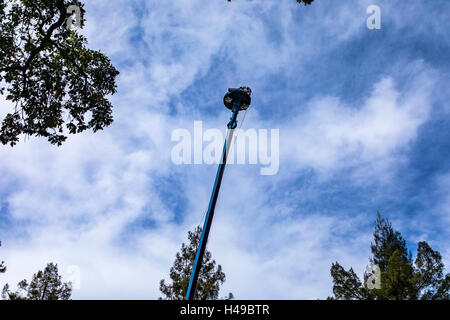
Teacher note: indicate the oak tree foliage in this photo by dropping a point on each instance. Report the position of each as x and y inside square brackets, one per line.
[401, 278]
[54, 83]
[305, 2]
[210, 278]
[45, 285]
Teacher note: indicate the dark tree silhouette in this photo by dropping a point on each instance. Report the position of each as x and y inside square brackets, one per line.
[209, 280]
[305, 2]
[401, 279]
[45, 285]
[55, 84]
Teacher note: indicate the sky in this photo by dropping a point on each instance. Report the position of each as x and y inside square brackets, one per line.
[363, 120]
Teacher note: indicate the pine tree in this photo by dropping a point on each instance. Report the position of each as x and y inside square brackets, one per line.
[400, 278]
[429, 281]
[347, 285]
[45, 285]
[396, 281]
[2, 264]
[386, 242]
[209, 280]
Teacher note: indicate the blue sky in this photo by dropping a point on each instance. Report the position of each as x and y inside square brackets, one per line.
[364, 125]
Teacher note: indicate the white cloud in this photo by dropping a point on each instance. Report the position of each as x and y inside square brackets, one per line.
[333, 135]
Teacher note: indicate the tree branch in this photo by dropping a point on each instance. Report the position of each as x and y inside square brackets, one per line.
[49, 33]
[46, 40]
